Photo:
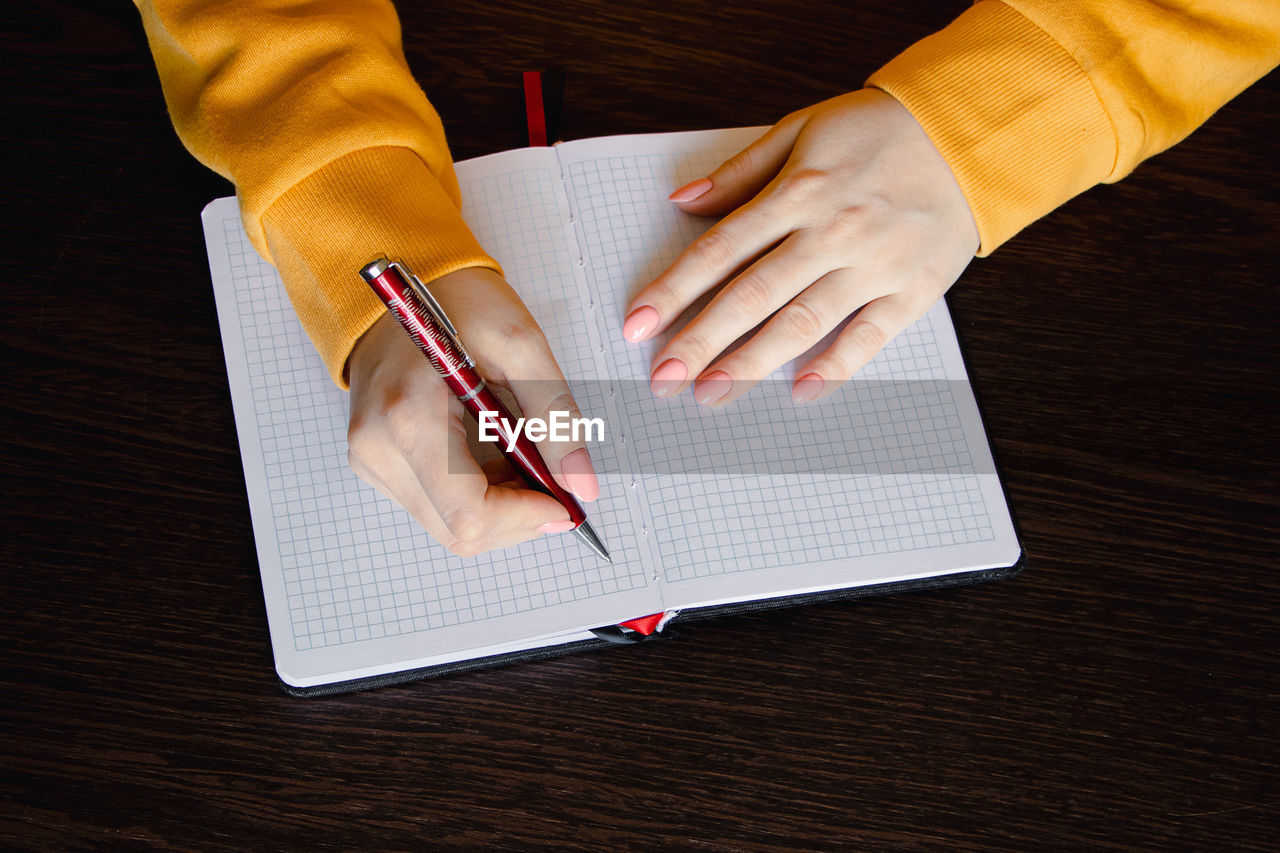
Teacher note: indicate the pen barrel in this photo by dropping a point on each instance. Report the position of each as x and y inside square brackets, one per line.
[426, 331]
[524, 455]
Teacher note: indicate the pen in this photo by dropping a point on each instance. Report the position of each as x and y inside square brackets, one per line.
[413, 305]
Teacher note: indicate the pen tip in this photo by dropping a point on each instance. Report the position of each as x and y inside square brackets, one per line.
[588, 535]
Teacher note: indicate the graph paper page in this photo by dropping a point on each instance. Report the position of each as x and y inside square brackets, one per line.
[353, 586]
[889, 479]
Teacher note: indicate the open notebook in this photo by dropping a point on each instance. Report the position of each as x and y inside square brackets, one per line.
[886, 485]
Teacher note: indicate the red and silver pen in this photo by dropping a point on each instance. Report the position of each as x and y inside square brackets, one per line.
[409, 301]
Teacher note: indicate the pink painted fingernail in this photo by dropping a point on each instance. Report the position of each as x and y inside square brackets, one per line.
[640, 323]
[713, 388]
[806, 388]
[690, 191]
[557, 526]
[667, 377]
[580, 476]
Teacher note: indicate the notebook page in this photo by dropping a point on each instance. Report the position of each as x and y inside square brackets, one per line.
[890, 479]
[353, 586]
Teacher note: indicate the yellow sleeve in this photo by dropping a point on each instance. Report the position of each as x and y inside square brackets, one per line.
[1031, 102]
[309, 108]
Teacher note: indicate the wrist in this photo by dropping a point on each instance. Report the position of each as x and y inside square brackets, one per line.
[933, 174]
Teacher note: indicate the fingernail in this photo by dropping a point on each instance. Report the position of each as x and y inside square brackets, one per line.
[580, 476]
[806, 388]
[689, 192]
[640, 323]
[713, 388]
[557, 526]
[668, 377]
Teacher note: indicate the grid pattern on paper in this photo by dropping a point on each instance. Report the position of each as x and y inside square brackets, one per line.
[355, 566]
[516, 218]
[714, 524]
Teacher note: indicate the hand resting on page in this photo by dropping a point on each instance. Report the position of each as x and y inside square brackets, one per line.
[843, 208]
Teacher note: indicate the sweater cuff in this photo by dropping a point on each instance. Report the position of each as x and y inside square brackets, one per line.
[1011, 112]
[366, 204]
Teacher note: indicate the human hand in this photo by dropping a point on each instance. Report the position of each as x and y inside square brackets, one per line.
[842, 207]
[407, 430]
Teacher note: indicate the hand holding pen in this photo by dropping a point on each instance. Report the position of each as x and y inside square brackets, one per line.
[407, 428]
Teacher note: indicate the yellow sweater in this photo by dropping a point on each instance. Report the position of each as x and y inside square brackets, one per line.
[336, 155]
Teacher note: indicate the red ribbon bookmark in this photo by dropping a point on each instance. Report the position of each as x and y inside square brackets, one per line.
[533, 108]
[644, 625]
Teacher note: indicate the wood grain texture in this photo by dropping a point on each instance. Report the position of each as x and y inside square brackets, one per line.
[1120, 695]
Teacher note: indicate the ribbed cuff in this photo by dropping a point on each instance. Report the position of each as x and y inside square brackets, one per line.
[1011, 112]
[369, 203]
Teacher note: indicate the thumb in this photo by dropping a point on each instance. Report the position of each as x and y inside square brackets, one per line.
[740, 178]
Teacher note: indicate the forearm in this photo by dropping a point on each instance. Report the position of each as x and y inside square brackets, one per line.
[336, 154]
[1034, 101]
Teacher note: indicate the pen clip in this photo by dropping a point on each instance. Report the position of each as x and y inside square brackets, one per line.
[437, 312]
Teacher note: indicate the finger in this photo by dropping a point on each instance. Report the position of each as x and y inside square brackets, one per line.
[475, 512]
[408, 493]
[740, 178]
[707, 261]
[797, 327]
[740, 306]
[879, 322]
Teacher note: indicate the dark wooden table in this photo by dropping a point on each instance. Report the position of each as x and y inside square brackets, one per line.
[1121, 694]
